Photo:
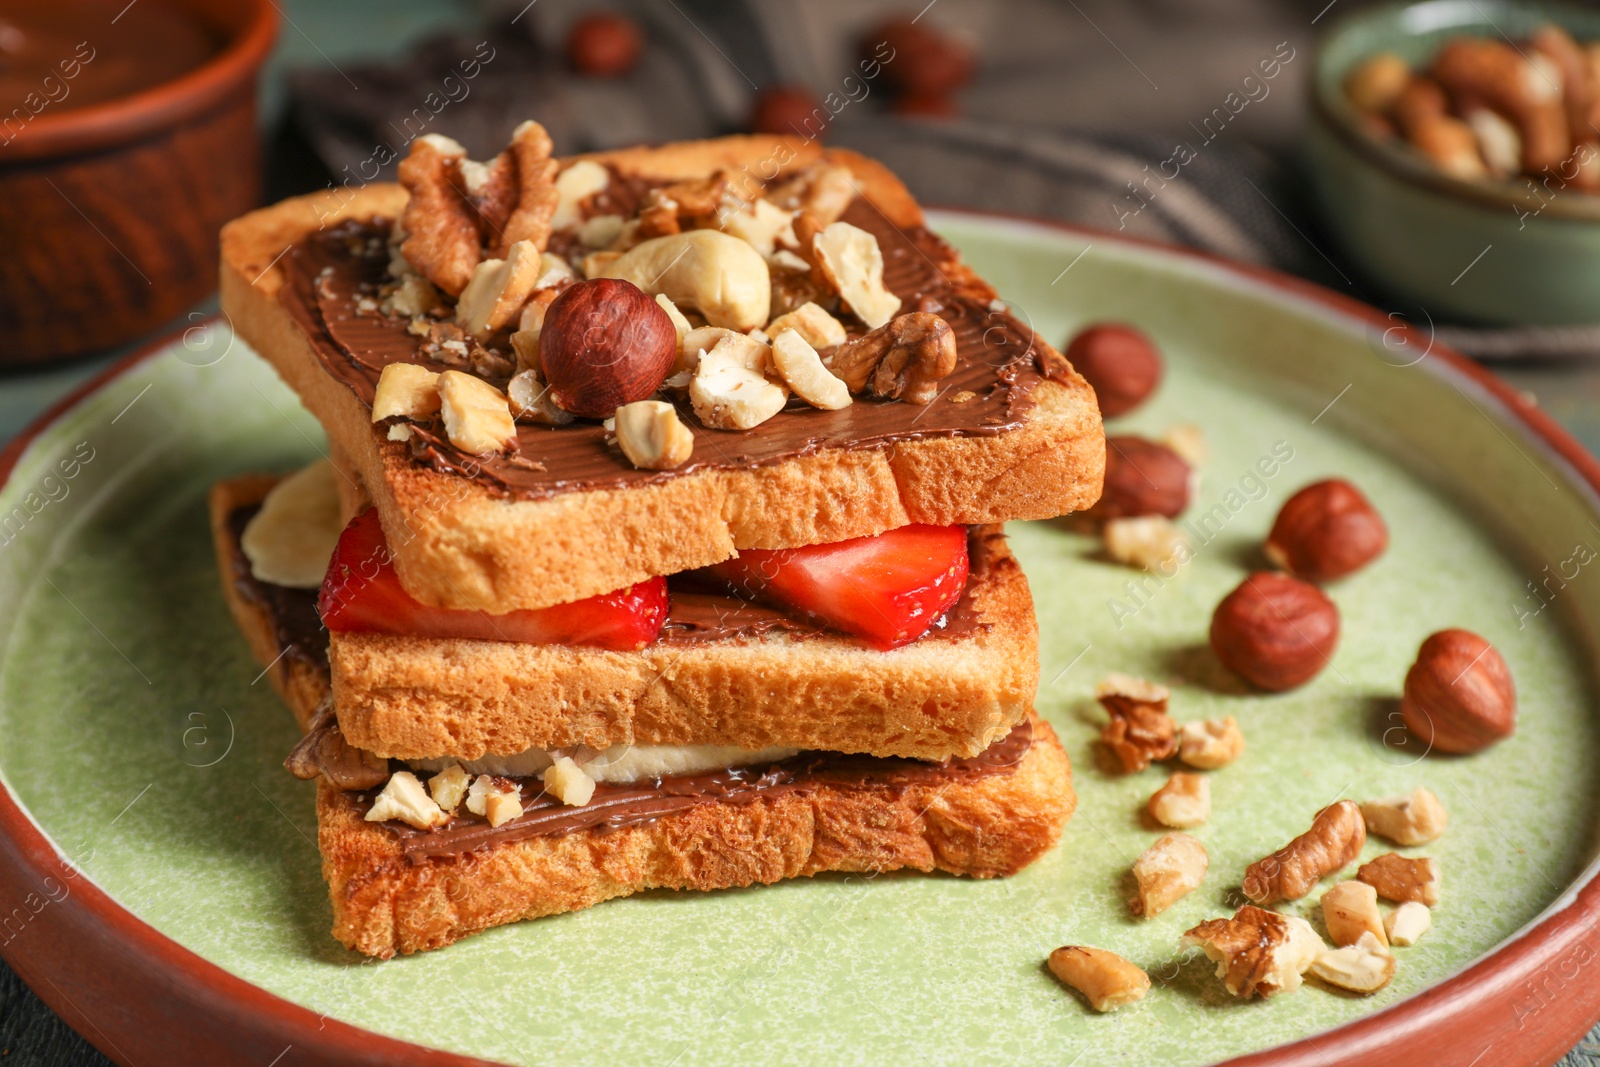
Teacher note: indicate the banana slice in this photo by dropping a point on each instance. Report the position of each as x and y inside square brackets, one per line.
[619, 763]
[292, 537]
[802, 368]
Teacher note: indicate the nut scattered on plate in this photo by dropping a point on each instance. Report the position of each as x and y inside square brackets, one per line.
[1258, 952]
[1335, 838]
[1414, 819]
[1402, 879]
[1140, 731]
[1459, 696]
[1326, 531]
[1167, 871]
[1106, 980]
[1184, 802]
[1350, 912]
[1274, 631]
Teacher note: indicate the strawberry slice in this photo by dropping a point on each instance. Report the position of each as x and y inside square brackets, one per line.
[888, 589]
[362, 594]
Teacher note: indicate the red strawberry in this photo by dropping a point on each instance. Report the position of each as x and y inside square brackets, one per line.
[362, 594]
[887, 589]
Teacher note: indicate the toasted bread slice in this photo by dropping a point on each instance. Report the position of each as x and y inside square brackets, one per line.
[460, 544]
[385, 902]
[419, 698]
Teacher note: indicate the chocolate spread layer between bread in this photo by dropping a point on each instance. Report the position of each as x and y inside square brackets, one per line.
[333, 275]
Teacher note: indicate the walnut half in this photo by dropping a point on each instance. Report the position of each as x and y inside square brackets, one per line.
[1140, 731]
[904, 359]
[1258, 951]
[1335, 838]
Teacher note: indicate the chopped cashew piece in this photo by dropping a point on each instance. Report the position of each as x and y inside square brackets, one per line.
[1396, 878]
[477, 416]
[652, 436]
[1258, 951]
[1414, 819]
[820, 329]
[405, 799]
[449, 787]
[573, 186]
[553, 270]
[1335, 838]
[567, 782]
[595, 264]
[1406, 924]
[1106, 980]
[728, 394]
[601, 231]
[802, 368]
[1350, 912]
[1183, 802]
[763, 224]
[1210, 744]
[679, 323]
[525, 342]
[853, 264]
[1168, 870]
[498, 289]
[1149, 542]
[721, 277]
[407, 390]
[1364, 967]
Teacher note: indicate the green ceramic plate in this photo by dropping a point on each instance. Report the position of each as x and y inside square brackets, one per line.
[138, 735]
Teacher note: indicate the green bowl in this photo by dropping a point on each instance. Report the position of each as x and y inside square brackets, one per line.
[1511, 252]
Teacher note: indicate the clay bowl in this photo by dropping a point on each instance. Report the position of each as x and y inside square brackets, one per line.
[109, 213]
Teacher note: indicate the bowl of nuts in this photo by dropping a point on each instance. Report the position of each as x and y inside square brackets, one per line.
[1454, 152]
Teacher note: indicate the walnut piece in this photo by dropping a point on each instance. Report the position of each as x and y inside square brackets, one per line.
[1406, 924]
[905, 358]
[1169, 869]
[1363, 967]
[1414, 819]
[1149, 542]
[1106, 980]
[1210, 744]
[1335, 838]
[1140, 731]
[1350, 912]
[1394, 877]
[1258, 951]
[536, 186]
[1183, 802]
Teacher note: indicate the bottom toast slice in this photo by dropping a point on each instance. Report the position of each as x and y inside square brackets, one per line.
[397, 890]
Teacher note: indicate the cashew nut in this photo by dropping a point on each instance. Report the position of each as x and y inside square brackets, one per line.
[721, 277]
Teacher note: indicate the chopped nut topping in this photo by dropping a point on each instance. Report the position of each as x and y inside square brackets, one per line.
[679, 323]
[1350, 912]
[1258, 951]
[651, 435]
[525, 341]
[406, 390]
[568, 783]
[1106, 980]
[449, 787]
[822, 189]
[1406, 924]
[1183, 802]
[537, 195]
[1394, 877]
[577, 183]
[851, 261]
[501, 808]
[1335, 838]
[799, 365]
[905, 359]
[707, 271]
[414, 295]
[1151, 542]
[820, 329]
[1140, 731]
[1172, 867]
[763, 224]
[730, 390]
[1364, 967]
[1210, 744]
[324, 751]
[529, 398]
[497, 291]
[477, 417]
[1189, 442]
[405, 799]
[1409, 820]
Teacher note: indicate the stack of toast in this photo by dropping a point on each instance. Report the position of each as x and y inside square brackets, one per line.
[749, 615]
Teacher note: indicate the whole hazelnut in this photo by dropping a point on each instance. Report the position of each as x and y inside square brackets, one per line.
[1459, 696]
[1119, 361]
[1326, 531]
[604, 45]
[789, 110]
[917, 59]
[605, 343]
[1143, 477]
[1274, 631]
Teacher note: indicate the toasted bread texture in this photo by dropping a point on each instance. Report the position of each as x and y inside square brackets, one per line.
[459, 545]
[384, 904]
[982, 827]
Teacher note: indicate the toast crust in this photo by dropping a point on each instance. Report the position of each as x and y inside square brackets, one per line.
[459, 545]
[983, 827]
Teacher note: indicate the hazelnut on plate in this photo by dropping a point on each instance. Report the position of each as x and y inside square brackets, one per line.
[1326, 531]
[1142, 478]
[1274, 631]
[1459, 696]
[1119, 362]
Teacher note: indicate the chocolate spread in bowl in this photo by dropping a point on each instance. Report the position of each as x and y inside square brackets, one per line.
[990, 392]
